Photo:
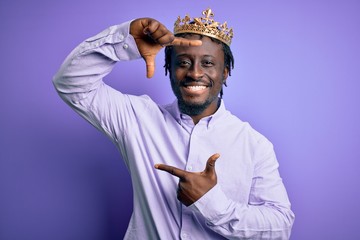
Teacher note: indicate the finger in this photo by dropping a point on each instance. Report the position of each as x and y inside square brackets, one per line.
[178, 41]
[210, 164]
[150, 66]
[172, 170]
[166, 39]
[158, 32]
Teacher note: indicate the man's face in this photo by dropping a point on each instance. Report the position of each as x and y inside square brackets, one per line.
[197, 75]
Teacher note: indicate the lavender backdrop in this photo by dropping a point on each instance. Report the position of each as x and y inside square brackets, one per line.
[296, 81]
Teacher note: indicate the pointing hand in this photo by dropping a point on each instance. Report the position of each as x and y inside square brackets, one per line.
[193, 185]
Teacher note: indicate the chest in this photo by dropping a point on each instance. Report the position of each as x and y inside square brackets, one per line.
[189, 149]
[235, 166]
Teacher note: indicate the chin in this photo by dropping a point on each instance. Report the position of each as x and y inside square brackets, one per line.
[193, 108]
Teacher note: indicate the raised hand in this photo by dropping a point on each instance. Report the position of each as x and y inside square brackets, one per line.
[150, 36]
[193, 185]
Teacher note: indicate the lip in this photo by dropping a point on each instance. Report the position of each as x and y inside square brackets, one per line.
[194, 89]
[195, 83]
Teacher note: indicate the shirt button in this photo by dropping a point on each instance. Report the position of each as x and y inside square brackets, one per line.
[184, 236]
[189, 168]
[126, 46]
[121, 37]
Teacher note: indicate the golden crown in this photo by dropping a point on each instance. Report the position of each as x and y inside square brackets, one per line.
[204, 26]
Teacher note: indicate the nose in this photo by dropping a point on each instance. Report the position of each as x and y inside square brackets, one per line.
[195, 71]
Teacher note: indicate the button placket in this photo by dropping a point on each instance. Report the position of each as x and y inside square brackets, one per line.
[193, 157]
[187, 223]
[195, 146]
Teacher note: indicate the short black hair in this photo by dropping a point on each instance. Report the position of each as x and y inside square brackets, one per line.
[228, 56]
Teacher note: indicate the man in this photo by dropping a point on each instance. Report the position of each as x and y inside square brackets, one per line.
[239, 197]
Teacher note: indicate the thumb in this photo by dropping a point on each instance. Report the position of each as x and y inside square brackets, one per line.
[150, 65]
[210, 164]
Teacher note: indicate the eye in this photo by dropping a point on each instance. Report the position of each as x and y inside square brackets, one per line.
[183, 63]
[207, 63]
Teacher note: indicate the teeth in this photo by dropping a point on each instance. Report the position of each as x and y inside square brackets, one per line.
[196, 88]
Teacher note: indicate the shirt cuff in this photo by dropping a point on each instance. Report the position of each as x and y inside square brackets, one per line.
[119, 37]
[126, 49]
[213, 204]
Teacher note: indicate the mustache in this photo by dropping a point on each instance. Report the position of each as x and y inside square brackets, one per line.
[189, 80]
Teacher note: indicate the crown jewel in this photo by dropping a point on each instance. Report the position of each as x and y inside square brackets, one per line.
[205, 25]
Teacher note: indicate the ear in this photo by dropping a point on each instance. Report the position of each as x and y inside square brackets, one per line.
[225, 74]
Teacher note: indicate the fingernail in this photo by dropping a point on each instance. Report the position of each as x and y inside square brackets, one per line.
[146, 31]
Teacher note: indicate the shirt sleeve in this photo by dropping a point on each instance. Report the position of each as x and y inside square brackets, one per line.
[79, 81]
[85, 67]
[267, 215]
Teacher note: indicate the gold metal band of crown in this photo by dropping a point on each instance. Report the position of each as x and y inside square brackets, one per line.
[206, 26]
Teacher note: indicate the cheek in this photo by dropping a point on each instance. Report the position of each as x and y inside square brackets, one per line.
[218, 86]
[179, 73]
[217, 78]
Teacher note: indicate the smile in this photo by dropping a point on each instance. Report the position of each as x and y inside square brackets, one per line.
[195, 88]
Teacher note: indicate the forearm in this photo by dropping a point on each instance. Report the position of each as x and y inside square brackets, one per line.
[83, 70]
[234, 220]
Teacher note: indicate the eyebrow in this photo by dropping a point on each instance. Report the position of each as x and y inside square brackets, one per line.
[186, 55]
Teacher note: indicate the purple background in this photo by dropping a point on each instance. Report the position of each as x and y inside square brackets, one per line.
[296, 80]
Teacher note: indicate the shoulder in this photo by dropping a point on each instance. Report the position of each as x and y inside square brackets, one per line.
[142, 105]
[245, 131]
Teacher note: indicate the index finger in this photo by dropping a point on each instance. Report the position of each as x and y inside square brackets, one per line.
[172, 170]
[179, 41]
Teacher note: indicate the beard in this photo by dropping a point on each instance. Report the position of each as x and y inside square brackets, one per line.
[192, 109]
[189, 108]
